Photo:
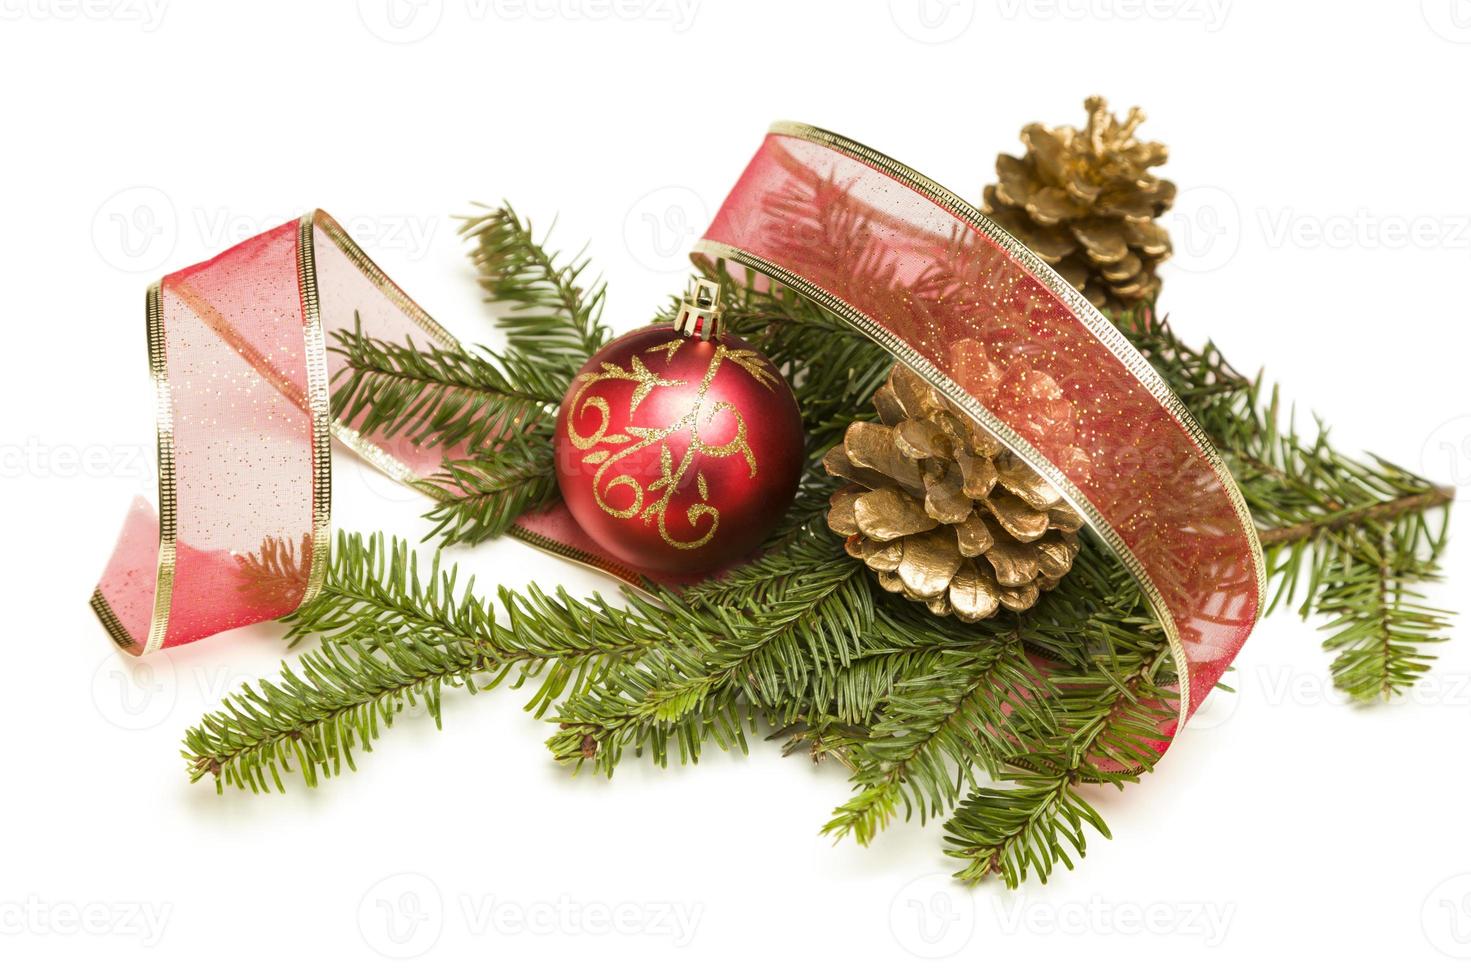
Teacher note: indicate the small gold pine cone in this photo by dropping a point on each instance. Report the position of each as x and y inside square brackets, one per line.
[941, 512]
[1085, 201]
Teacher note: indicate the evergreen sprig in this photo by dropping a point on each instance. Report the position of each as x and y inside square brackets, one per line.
[813, 620]
[388, 639]
[493, 413]
[486, 493]
[473, 400]
[552, 311]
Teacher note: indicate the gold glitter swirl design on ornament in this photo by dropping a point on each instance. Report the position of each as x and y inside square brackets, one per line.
[606, 449]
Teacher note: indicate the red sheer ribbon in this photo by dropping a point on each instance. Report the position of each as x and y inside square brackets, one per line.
[949, 293]
[241, 374]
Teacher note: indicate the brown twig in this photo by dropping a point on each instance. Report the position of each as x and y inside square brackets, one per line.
[1434, 497]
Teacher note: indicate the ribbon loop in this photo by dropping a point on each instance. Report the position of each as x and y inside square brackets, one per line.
[945, 290]
[240, 366]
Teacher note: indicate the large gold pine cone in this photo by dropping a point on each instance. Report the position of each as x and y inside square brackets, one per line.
[1086, 202]
[941, 512]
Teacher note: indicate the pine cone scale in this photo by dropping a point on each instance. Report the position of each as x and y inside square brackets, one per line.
[889, 513]
[930, 561]
[973, 537]
[973, 598]
[872, 448]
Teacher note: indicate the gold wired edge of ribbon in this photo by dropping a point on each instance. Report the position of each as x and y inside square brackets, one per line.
[319, 404]
[168, 514]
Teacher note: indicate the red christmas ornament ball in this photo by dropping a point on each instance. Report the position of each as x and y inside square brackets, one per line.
[678, 454]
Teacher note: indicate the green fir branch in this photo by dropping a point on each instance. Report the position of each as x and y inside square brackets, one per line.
[938, 727]
[487, 493]
[808, 622]
[390, 638]
[1031, 827]
[553, 312]
[473, 400]
[1037, 818]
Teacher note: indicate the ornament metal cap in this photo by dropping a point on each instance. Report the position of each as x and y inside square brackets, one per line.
[699, 313]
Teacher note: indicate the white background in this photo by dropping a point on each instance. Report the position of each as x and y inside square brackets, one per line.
[1322, 232]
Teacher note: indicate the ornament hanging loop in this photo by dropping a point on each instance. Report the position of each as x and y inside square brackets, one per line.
[700, 314]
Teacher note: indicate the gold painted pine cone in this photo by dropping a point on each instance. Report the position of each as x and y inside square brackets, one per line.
[941, 512]
[1085, 201]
